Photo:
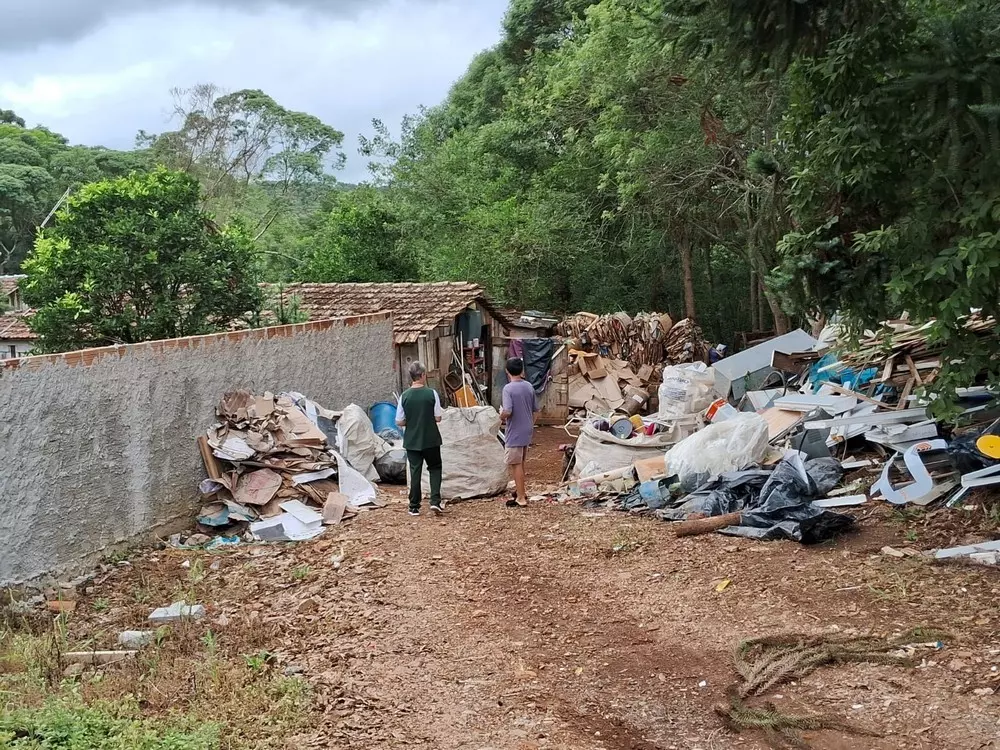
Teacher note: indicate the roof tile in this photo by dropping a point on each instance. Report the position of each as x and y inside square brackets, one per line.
[416, 307]
[14, 327]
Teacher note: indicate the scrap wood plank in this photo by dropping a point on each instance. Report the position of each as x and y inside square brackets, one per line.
[780, 421]
[209, 459]
[907, 390]
[913, 370]
[887, 374]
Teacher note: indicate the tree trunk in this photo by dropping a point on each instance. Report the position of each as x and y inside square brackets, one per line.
[762, 304]
[780, 319]
[685, 250]
[754, 310]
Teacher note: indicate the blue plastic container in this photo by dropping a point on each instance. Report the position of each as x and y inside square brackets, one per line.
[383, 416]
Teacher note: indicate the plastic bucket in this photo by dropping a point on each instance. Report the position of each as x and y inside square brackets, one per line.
[384, 416]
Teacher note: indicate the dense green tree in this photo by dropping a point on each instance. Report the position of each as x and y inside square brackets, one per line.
[356, 237]
[254, 158]
[135, 259]
[37, 167]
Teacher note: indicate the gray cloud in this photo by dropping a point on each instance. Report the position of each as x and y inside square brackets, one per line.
[29, 24]
[386, 61]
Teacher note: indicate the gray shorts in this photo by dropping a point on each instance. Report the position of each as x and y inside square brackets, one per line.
[515, 456]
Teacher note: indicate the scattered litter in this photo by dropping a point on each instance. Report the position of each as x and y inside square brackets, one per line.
[722, 586]
[900, 553]
[177, 611]
[841, 502]
[966, 550]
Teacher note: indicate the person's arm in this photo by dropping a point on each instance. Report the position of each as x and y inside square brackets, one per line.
[438, 411]
[506, 405]
[535, 406]
[400, 414]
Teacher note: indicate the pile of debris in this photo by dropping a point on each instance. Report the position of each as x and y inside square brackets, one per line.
[902, 352]
[617, 360]
[647, 339]
[602, 386]
[274, 473]
[761, 446]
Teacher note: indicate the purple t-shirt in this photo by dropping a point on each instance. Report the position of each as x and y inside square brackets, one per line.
[519, 401]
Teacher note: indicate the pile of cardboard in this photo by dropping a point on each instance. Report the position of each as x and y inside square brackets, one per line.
[638, 341]
[619, 359]
[273, 471]
[602, 386]
[685, 343]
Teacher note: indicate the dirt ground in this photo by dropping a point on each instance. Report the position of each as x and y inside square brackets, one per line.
[558, 627]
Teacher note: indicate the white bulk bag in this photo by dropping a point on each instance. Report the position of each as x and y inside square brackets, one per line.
[607, 452]
[473, 463]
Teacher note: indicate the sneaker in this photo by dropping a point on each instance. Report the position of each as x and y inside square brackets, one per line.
[414, 512]
[438, 509]
[511, 503]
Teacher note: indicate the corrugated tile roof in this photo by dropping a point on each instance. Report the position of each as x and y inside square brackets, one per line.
[14, 327]
[416, 308]
[8, 284]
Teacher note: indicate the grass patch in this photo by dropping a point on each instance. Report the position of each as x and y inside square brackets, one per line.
[192, 689]
[66, 723]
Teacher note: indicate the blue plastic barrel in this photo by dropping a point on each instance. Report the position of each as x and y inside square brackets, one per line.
[384, 417]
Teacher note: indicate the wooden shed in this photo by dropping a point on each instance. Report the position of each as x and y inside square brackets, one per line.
[431, 323]
[521, 326]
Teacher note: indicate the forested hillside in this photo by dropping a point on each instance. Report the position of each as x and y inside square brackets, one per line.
[684, 154]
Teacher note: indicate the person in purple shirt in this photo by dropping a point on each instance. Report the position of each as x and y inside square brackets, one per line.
[519, 408]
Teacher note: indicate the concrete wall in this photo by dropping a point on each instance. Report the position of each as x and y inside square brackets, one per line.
[98, 446]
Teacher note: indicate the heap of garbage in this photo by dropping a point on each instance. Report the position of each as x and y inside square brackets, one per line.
[778, 440]
[281, 467]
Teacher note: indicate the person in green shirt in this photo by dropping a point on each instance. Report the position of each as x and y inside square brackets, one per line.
[419, 411]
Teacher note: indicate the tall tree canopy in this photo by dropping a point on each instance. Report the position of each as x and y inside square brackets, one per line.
[37, 167]
[254, 158]
[135, 259]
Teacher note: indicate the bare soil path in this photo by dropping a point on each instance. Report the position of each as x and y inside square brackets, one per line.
[554, 627]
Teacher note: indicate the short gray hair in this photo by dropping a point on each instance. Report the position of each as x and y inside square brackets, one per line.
[417, 371]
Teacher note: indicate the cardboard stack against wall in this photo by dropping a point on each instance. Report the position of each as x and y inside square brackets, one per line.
[273, 470]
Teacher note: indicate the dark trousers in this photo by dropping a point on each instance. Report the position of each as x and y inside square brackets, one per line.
[416, 459]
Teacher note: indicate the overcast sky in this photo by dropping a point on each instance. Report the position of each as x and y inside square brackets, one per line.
[98, 71]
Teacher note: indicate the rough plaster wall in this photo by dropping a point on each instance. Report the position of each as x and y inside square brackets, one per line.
[91, 456]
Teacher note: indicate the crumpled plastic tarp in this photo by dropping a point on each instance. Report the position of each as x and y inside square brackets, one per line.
[719, 448]
[775, 504]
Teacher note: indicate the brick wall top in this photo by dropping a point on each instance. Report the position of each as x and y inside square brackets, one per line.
[87, 357]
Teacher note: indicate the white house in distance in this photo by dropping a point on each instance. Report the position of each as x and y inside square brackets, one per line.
[16, 338]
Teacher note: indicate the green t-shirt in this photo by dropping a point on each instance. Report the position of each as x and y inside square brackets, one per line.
[418, 407]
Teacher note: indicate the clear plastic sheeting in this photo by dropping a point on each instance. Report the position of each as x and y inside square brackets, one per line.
[775, 504]
[719, 448]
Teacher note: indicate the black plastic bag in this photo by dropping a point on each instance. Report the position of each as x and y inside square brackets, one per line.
[391, 466]
[775, 504]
